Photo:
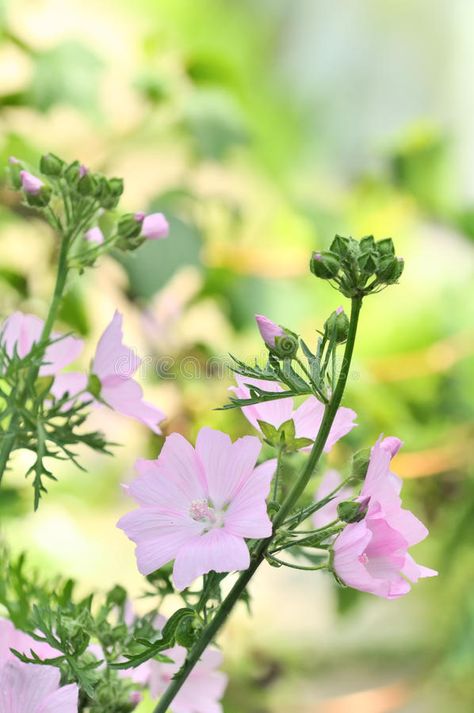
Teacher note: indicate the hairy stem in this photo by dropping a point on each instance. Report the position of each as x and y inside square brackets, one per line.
[290, 501]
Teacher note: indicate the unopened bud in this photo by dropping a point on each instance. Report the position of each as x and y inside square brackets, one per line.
[385, 247]
[340, 246]
[87, 184]
[51, 165]
[32, 185]
[116, 186]
[390, 268]
[73, 173]
[352, 511]
[129, 227]
[324, 265]
[336, 326]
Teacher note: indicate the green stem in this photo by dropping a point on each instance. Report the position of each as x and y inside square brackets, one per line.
[239, 587]
[297, 566]
[8, 442]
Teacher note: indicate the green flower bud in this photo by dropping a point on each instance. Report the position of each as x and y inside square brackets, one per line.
[360, 463]
[40, 199]
[116, 186]
[390, 268]
[72, 173]
[51, 165]
[324, 265]
[286, 346]
[108, 199]
[14, 169]
[129, 227]
[367, 263]
[367, 244]
[340, 246]
[352, 511]
[87, 184]
[337, 326]
[385, 247]
[187, 631]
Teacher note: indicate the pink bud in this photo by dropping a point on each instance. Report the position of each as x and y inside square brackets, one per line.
[31, 184]
[12, 160]
[340, 310]
[392, 445]
[95, 235]
[268, 329]
[136, 697]
[155, 226]
[83, 170]
[139, 217]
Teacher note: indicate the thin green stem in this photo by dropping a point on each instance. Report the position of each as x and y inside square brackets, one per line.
[8, 441]
[276, 481]
[297, 566]
[258, 556]
[311, 380]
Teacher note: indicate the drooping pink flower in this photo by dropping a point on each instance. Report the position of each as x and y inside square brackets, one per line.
[372, 555]
[35, 688]
[22, 331]
[198, 504]
[30, 184]
[94, 235]
[328, 513]
[155, 226]
[201, 692]
[307, 417]
[114, 364]
[268, 330]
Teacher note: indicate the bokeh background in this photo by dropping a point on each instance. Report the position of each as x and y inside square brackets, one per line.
[262, 128]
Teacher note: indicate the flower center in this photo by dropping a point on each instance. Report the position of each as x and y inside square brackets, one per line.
[363, 559]
[203, 511]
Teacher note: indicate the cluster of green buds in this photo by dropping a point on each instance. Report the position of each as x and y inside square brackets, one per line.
[59, 177]
[358, 267]
[81, 204]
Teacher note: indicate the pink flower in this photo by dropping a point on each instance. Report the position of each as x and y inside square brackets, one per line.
[114, 364]
[198, 504]
[94, 235]
[11, 638]
[307, 417]
[154, 226]
[34, 688]
[372, 555]
[202, 691]
[30, 687]
[328, 513]
[30, 184]
[268, 330]
[22, 331]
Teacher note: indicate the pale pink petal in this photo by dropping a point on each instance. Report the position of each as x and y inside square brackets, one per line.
[126, 397]
[156, 486]
[34, 689]
[183, 467]
[113, 361]
[95, 235]
[30, 183]
[58, 355]
[216, 550]
[64, 700]
[392, 444]
[225, 464]
[274, 412]
[21, 331]
[70, 382]
[309, 415]
[155, 226]
[154, 552]
[247, 514]
[415, 571]
[268, 329]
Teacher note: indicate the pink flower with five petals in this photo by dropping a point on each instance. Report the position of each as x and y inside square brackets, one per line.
[198, 504]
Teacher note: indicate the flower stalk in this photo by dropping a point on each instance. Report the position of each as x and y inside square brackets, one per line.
[224, 610]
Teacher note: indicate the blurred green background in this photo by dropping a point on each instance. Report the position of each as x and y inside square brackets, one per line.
[262, 128]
